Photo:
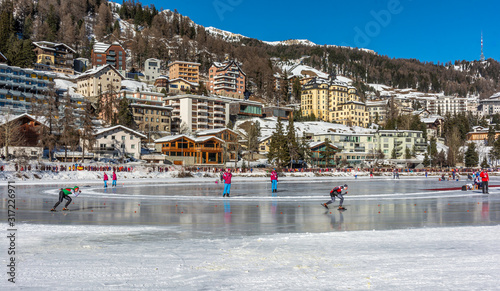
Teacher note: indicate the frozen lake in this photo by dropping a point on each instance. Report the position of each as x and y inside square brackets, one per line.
[181, 234]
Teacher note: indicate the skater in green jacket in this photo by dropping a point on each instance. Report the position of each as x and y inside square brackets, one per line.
[64, 194]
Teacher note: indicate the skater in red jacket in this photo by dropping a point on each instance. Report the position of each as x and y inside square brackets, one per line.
[337, 192]
[485, 179]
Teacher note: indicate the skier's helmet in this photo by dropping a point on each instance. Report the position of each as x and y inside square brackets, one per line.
[345, 185]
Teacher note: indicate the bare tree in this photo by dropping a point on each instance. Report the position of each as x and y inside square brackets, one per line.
[87, 131]
[11, 134]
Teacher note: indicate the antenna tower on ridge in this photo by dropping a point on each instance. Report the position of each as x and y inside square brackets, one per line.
[482, 54]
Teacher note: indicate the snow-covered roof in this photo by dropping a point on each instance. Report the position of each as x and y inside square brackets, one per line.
[96, 70]
[8, 118]
[51, 46]
[213, 131]
[268, 126]
[102, 130]
[101, 48]
[183, 62]
[195, 139]
[185, 81]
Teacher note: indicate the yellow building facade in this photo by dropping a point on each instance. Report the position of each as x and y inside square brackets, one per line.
[333, 101]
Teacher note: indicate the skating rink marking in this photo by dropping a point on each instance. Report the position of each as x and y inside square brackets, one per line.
[96, 192]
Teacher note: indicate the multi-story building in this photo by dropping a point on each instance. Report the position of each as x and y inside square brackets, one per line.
[446, 104]
[197, 112]
[181, 86]
[161, 83]
[189, 150]
[333, 101]
[117, 142]
[230, 138]
[227, 79]
[56, 57]
[152, 69]
[109, 54]
[19, 87]
[152, 118]
[354, 148]
[397, 141]
[186, 70]
[377, 111]
[95, 81]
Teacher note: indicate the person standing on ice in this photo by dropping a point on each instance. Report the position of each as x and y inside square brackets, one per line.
[114, 179]
[64, 194]
[485, 179]
[337, 192]
[105, 180]
[227, 182]
[274, 181]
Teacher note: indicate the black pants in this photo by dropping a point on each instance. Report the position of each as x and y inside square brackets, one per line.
[485, 187]
[61, 197]
[341, 197]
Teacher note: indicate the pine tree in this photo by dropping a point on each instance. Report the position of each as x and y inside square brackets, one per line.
[293, 147]
[328, 154]
[278, 148]
[485, 164]
[471, 156]
[125, 116]
[491, 136]
[69, 135]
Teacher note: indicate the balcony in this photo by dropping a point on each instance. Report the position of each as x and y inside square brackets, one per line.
[225, 87]
[224, 76]
[359, 149]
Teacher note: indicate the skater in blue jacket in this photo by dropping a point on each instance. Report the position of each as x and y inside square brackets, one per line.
[337, 192]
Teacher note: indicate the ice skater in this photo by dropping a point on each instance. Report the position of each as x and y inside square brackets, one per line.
[227, 182]
[64, 194]
[274, 181]
[337, 192]
[113, 184]
[105, 180]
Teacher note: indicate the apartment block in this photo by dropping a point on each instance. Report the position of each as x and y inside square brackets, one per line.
[96, 81]
[198, 112]
[56, 57]
[152, 118]
[398, 141]
[109, 54]
[227, 79]
[446, 104]
[186, 70]
[19, 87]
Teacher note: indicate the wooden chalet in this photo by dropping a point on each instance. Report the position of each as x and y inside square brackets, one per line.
[188, 150]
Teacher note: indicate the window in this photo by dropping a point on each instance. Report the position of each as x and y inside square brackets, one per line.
[131, 137]
[123, 137]
[112, 137]
[132, 146]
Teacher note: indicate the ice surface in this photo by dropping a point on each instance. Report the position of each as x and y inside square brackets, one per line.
[180, 234]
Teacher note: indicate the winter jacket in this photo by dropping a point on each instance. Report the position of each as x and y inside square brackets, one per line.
[68, 191]
[114, 176]
[105, 177]
[227, 177]
[337, 190]
[274, 176]
[484, 176]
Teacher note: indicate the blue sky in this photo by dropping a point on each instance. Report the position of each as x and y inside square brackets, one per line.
[426, 30]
